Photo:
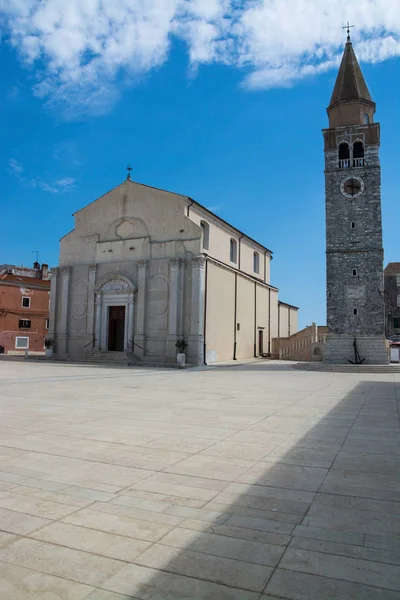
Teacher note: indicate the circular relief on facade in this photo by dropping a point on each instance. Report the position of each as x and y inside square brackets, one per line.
[158, 295]
[79, 298]
[352, 187]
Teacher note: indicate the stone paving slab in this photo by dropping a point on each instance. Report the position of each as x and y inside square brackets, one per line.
[251, 481]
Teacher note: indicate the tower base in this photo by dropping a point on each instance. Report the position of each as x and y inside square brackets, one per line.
[339, 349]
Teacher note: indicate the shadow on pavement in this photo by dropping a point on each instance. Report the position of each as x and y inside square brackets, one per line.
[291, 526]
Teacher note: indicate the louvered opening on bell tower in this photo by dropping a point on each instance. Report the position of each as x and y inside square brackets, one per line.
[351, 156]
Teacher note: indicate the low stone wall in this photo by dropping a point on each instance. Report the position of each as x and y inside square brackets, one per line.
[306, 345]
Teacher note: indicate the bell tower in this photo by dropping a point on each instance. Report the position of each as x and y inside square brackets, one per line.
[354, 251]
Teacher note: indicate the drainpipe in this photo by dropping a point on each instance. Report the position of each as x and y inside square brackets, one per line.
[255, 319]
[241, 237]
[289, 323]
[191, 204]
[235, 323]
[205, 312]
[269, 321]
[279, 320]
[235, 317]
[265, 267]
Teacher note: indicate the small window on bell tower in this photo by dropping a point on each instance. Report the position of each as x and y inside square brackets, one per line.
[366, 119]
[355, 273]
[355, 311]
[353, 225]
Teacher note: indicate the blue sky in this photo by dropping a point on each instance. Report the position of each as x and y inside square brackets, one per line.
[226, 115]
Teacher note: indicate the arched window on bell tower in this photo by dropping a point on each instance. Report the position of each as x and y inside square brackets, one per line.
[366, 119]
[358, 154]
[344, 155]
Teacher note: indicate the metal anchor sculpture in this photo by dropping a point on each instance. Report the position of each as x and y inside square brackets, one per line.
[357, 358]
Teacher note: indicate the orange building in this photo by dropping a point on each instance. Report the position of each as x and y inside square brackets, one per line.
[24, 308]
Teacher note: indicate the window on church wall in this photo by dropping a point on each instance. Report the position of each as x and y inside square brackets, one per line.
[344, 155]
[352, 225]
[206, 234]
[355, 273]
[358, 154]
[256, 262]
[366, 119]
[233, 250]
[355, 311]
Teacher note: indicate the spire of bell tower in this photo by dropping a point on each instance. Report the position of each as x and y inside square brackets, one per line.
[351, 100]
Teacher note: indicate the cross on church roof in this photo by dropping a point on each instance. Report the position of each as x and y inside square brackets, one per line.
[348, 27]
[129, 169]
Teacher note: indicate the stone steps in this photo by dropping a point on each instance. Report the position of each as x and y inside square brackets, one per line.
[388, 369]
[117, 359]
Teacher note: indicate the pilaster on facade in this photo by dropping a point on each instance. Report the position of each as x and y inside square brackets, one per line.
[53, 302]
[63, 333]
[196, 335]
[140, 339]
[173, 308]
[98, 303]
[130, 324]
[181, 294]
[92, 270]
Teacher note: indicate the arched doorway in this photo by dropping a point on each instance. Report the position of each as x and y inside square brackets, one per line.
[115, 296]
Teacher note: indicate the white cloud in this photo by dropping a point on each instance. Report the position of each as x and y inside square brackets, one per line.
[14, 167]
[52, 187]
[78, 48]
[286, 41]
[64, 184]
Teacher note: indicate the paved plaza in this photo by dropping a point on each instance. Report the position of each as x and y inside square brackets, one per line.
[232, 483]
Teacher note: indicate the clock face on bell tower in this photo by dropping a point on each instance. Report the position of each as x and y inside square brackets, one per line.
[352, 187]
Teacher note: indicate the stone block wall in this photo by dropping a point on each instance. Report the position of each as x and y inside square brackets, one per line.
[339, 349]
[355, 289]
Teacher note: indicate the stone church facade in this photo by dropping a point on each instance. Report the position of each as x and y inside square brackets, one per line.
[354, 249]
[144, 267]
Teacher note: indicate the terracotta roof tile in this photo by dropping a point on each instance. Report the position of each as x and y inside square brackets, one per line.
[29, 281]
[393, 267]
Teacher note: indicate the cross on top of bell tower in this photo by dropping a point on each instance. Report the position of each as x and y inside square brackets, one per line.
[348, 27]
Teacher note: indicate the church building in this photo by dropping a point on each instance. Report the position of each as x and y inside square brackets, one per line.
[354, 250]
[144, 268]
